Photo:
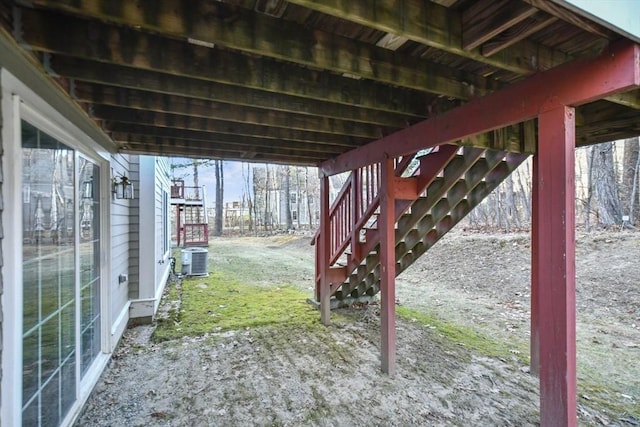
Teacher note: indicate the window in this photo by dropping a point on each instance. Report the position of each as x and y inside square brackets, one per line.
[60, 269]
[165, 222]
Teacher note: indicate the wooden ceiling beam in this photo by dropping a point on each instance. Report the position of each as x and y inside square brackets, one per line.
[572, 18]
[114, 117]
[485, 19]
[517, 33]
[247, 32]
[125, 77]
[210, 153]
[99, 95]
[168, 146]
[121, 46]
[574, 84]
[130, 133]
[127, 132]
[435, 26]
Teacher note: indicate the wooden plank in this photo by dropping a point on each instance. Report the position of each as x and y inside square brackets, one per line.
[555, 267]
[435, 26]
[576, 83]
[517, 33]
[250, 33]
[138, 121]
[121, 46]
[228, 142]
[573, 18]
[484, 19]
[534, 339]
[386, 226]
[100, 95]
[126, 77]
[212, 152]
[325, 253]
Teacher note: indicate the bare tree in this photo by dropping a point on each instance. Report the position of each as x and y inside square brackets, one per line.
[219, 174]
[267, 187]
[298, 197]
[629, 177]
[309, 197]
[246, 192]
[606, 185]
[287, 196]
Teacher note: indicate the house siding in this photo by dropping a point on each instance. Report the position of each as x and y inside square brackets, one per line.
[151, 253]
[120, 240]
[134, 229]
[1, 237]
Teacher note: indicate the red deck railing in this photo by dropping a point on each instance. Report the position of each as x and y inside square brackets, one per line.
[353, 210]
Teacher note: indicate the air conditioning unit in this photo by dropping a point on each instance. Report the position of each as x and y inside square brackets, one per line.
[194, 262]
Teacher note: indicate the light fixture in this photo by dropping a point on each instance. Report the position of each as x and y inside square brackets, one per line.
[87, 190]
[122, 188]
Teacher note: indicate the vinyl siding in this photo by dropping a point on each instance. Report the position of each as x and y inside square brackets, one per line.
[120, 240]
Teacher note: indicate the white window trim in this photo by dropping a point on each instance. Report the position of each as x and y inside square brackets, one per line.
[18, 103]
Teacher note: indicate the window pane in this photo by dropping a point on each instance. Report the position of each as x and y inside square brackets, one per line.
[89, 263]
[68, 330]
[50, 351]
[50, 402]
[31, 288]
[30, 374]
[68, 384]
[30, 414]
[49, 278]
[49, 286]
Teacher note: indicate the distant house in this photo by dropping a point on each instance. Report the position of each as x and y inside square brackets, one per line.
[79, 263]
[270, 198]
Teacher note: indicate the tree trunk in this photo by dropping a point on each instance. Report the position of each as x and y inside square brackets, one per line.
[219, 173]
[298, 198]
[247, 191]
[308, 193]
[629, 173]
[287, 197]
[255, 202]
[606, 185]
[266, 198]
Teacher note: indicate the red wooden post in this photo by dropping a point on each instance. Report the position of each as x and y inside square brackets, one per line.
[554, 260]
[386, 226]
[534, 346]
[355, 214]
[325, 249]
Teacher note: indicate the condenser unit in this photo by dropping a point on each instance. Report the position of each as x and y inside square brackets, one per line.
[194, 262]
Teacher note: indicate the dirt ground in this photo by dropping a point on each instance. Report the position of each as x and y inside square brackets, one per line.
[332, 377]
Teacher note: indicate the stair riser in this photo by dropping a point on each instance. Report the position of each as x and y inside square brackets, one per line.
[410, 254]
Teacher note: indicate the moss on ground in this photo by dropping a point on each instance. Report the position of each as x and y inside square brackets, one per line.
[217, 303]
[462, 335]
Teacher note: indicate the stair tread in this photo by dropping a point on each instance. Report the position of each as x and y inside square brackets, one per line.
[453, 195]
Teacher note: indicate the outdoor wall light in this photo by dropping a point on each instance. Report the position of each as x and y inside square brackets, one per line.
[87, 190]
[122, 188]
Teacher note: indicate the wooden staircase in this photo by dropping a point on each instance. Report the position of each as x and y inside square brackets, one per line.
[434, 191]
[189, 215]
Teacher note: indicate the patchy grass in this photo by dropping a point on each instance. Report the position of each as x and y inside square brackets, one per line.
[462, 335]
[217, 303]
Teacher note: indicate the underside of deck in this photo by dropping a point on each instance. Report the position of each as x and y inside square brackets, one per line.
[464, 89]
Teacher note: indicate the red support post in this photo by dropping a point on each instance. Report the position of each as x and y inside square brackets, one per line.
[554, 262]
[325, 249]
[355, 214]
[386, 227]
[534, 346]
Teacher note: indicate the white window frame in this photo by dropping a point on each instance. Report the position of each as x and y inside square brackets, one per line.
[20, 103]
